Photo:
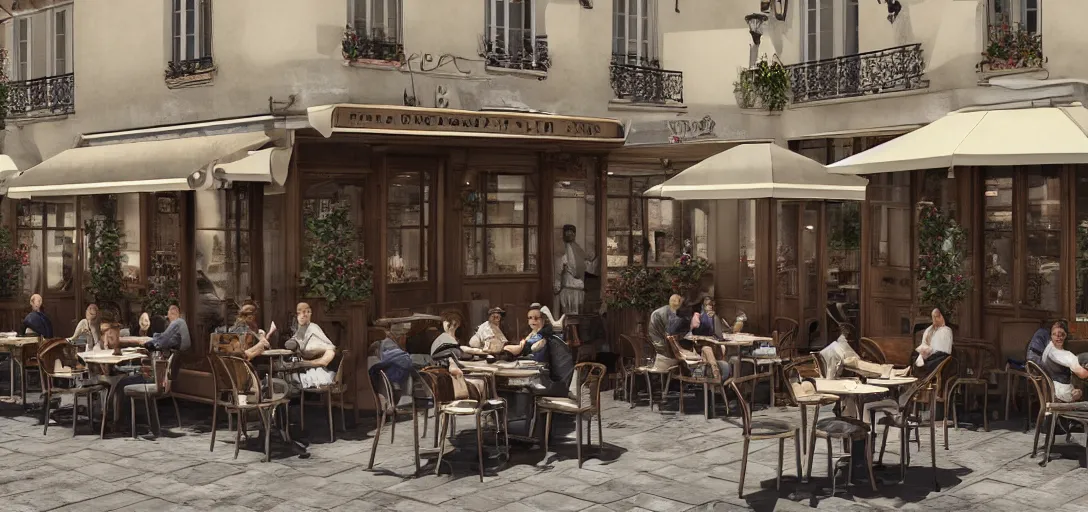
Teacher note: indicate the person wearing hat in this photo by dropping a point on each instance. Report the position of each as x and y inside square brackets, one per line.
[489, 338]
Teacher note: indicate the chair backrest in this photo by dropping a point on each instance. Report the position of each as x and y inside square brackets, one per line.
[930, 382]
[977, 356]
[1040, 378]
[786, 341]
[588, 380]
[637, 344]
[57, 349]
[796, 372]
[746, 411]
[869, 350]
[231, 343]
[237, 376]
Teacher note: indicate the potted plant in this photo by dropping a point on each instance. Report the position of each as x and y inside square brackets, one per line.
[766, 85]
[943, 283]
[104, 260]
[332, 271]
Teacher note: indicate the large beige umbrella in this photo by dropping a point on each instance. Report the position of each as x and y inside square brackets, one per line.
[755, 171]
[1027, 136]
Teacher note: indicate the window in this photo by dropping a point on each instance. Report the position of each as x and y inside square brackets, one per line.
[500, 225]
[125, 210]
[377, 19]
[60, 41]
[819, 22]
[1023, 12]
[22, 49]
[998, 236]
[850, 35]
[737, 240]
[42, 43]
[191, 29]
[890, 210]
[641, 231]
[633, 31]
[222, 252]
[511, 25]
[409, 217]
[48, 232]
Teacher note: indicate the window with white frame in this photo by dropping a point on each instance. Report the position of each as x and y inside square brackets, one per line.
[511, 25]
[377, 19]
[819, 23]
[633, 31]
[1025, 13]
[850, 33]
[190, 29]
[41, 43]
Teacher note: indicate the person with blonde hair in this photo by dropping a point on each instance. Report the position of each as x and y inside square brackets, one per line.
[88, 330]
[316, 349]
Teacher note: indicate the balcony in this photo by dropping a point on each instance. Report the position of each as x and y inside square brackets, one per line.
[188, 73]
[377, 48]
[645, 84]
[893, 69]
[42, 97]
[530, 55]
[1011, 46]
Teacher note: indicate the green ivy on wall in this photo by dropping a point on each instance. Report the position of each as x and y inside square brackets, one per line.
[104, 239]
[332, 270]
[767, 85]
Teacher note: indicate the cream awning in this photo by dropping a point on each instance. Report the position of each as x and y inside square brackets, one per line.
[755, 171]
[1029, 136]
[150, 166]
[267, 165]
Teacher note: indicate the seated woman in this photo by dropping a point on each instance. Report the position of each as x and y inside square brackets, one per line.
[489, 338]
[447, 351]
[314, 346]
[1062, 364]
[707, 322]
[88, 330]
[936, 344]
[544, 346]
[246, 324]
[839, 354]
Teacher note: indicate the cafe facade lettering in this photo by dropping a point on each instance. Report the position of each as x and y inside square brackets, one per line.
[448, 121]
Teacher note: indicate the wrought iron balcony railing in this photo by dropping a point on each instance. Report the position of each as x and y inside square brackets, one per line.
[356, 46]
[528, 54]
[52, 95]
[646, 83]
[892, 69]
[184, 68]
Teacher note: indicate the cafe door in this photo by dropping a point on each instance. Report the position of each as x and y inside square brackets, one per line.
[410, 263]
[799, 286]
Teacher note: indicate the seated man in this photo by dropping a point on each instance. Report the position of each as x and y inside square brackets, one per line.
[1038, 343]
[658, 331]
[839, 354]
[1062, 364]
[36, 323]
[489, 338]
[176, 335]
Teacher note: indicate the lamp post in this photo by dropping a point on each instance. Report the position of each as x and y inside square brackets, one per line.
[755, 27]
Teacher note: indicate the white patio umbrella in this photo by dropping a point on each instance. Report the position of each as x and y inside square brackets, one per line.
[755, 171]
[1027, 136]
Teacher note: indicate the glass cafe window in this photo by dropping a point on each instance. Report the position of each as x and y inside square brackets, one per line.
[1043, 230]
[48, 231]
[125, 209]
[641, 230]
[408, 220]
[998, 244]
[222, 252]
[890, 211]
[499, 222]
[737, 242]
[1082, 246]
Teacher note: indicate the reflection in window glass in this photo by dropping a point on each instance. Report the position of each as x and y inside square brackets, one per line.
[738, 240]
[786, 250]
[164, 276]
[500, 218]
[661, 243]
[222, 253]
[406, 234]
[47, 231]
[844, 260]
[125, 210]
[318, 200]
[889, 203]
[998, 247]
[574, 202]
[1082, 246]
[1043, 229]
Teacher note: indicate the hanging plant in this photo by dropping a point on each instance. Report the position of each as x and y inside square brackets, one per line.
[104, 239]
[941, 260]
[766, 85]
[332, 270]
[12, 261]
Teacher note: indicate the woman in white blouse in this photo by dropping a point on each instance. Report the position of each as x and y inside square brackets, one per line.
[314, 346]
[936, 340]
[88, 329]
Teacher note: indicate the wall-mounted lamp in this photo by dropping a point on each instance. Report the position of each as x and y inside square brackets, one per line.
[893, 9]
[586, 4]
[755, 25]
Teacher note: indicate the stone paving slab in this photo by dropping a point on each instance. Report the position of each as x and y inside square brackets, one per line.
[653, 461]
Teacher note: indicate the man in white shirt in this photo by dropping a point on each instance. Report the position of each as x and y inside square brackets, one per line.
[1062, 364]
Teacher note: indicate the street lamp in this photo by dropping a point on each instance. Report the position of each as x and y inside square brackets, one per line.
[755, 27]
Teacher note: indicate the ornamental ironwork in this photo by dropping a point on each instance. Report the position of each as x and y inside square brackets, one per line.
[1011, 46]
[356, 46]
[900, 68]
[52, 95]
[190, 67]
[646, 83]
[530, 55]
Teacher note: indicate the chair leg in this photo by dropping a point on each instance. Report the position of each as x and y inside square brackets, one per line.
[781, 452]
[986, 409]
[215, 410]
[332, 430]
[440, 432]
[578, 435]
[132, 414]
[238, 434]
[831, 465]
[797, 453]
[1050, 439]
[75, 410]
[377, 437]
[600, 429]
[437, 414]
[105, 400]
[302, 410]
[547, 431]
[393, 427]
[869, 460]
[266, 415]
[904, 455]
[344, 422]
[804, 423]
[812, 440]
[415, 428]
[1008, 394]
[649, 391]
[177, 411]
[480, 446]
[883, 444]
[706, 402]
[743, 468]
[933, 453]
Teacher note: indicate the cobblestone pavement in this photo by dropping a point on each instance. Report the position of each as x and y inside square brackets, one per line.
[651, 461]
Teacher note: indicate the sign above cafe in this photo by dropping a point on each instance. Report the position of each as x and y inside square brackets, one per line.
[449, 122]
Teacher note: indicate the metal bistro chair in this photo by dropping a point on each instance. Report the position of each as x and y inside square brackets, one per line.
[757, 430]
[245, 395]
[586, 405]
[905, 419]
[465, 405]
[804, 394]
[644, 365]
[151, 392]
[329, 391]
[1050, 407]
[388, 408]
[59, 349]
[978, 359]
[693, 368]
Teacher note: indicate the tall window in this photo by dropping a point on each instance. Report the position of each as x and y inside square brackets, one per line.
[500, 225]
[191, 29]
[737, 240]
[409, 216]
[641, 230]
[22, 49]
[632, 31]
[511, 25]
[1024, 12]
[42, 43]
[819, 22]
[48, 232]
[378, 19]
[222, 252]
[850, 33]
